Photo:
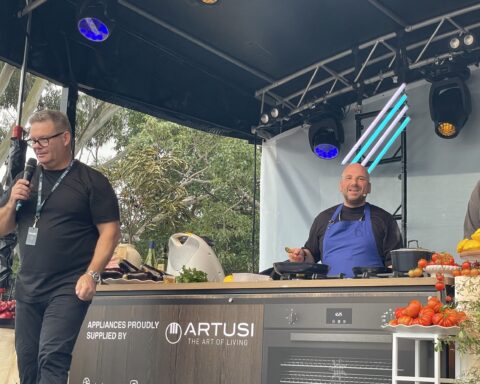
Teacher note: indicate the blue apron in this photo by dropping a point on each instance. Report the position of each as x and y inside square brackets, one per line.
[349, 244]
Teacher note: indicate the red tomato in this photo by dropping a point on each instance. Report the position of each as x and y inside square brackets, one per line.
[422, 263]
[393, 322]
[456, 272]
[466, 265]
[399, 312]
[439, 286]
[445, 319]
[434, 303]
[461, 316]
[425, 316]
[435, 257]
[405, 320]
[439, 277]
[412, 310]
[448, 299]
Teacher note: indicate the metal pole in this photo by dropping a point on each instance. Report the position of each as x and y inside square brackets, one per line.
[23, 71]
[254, 221]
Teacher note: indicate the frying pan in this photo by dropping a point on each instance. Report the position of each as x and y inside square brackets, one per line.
[287, 267]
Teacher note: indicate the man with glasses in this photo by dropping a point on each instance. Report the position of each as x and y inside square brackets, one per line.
[352, 234]
[68, 227]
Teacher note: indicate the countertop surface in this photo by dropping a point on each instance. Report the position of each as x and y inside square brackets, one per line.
[277, 284]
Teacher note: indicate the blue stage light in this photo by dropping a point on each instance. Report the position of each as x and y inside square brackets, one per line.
[93, 29]
[326, 151]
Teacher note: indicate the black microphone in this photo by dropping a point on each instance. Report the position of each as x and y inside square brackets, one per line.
[27, 175]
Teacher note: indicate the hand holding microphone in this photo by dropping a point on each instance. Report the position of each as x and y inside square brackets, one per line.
[27, 175]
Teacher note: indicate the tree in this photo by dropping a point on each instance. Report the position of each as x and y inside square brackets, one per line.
[214, 175]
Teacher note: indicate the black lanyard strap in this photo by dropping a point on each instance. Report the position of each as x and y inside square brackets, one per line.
[40, 204]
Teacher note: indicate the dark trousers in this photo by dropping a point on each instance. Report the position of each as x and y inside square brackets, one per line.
[45, 334]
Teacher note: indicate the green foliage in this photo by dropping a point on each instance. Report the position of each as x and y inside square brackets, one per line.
[217, 179]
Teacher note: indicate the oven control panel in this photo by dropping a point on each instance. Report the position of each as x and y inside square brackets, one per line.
[341, 316]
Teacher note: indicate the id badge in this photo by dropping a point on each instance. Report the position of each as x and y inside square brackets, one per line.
[31, 236]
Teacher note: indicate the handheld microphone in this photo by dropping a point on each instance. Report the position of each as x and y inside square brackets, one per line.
[27, 175]
[364, 195]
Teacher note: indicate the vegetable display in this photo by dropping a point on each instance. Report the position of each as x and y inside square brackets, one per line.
[433, 313]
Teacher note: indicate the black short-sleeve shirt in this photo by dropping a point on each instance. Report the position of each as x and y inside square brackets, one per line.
[67, 232]
[385, 230]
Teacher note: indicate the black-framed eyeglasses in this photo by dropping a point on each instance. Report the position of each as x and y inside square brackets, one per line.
[43, 141]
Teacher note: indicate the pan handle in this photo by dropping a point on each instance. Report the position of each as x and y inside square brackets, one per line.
[412, 241]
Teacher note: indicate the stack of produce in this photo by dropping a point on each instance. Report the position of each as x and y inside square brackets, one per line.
[7, 309]
[433, 313]
[468, 269]
[472, 244]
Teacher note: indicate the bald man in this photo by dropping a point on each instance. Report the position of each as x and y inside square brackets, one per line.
[352, 234]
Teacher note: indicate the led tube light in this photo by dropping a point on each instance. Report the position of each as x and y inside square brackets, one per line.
[385, 135]
[373, 123]
[389, 144]
[379, 128]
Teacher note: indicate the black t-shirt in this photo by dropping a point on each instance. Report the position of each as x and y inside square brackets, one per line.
[385, 230]
[67, 232]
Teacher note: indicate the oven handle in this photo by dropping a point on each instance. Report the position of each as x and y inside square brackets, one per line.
[341, 337]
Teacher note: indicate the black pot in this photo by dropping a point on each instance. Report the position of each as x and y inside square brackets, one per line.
[405, 259]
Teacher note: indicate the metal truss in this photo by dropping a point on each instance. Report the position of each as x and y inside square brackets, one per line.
[338, 82]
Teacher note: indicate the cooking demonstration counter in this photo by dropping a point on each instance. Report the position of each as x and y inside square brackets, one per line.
[262, 332]
[269, 285]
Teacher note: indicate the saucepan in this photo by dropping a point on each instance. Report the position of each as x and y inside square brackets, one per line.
[404, 259]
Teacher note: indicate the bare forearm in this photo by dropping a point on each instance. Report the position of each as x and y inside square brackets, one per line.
[7, 219]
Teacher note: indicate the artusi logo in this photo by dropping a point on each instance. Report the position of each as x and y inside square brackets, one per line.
[173, 333]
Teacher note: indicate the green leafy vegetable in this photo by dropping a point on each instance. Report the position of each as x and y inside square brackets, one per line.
[191, 275]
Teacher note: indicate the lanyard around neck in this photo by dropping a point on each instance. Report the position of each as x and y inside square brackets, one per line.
[41, 203]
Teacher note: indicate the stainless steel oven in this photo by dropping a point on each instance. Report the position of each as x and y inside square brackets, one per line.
[337, 339]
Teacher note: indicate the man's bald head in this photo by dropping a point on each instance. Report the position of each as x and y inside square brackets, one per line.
[355, 185]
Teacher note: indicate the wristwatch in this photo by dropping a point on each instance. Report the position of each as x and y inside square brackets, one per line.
[95, 276]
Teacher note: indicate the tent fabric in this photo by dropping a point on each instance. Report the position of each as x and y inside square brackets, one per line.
[203, 66]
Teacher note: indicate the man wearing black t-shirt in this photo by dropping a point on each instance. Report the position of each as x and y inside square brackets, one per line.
[352, 234]
[68, 227]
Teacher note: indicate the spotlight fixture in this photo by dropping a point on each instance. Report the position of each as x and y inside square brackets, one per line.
[264, 118]
[274, 113]
[466, 41]
[450, 106]
[94, 22]
[454, 43]
[469, 40]
[209, 2]
[325, 137]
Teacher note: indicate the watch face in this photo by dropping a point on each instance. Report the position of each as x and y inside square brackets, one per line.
[95, 276]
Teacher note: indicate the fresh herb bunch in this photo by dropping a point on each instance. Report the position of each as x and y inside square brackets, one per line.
[191, 275]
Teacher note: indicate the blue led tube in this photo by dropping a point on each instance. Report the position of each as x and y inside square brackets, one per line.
[389, 144]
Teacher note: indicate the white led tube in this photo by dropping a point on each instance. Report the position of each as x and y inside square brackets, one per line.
[385, 135]
[374, 123]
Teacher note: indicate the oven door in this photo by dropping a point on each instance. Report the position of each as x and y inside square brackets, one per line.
[328, 357]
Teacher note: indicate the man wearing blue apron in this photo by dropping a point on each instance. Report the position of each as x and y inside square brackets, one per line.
[352, 234]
